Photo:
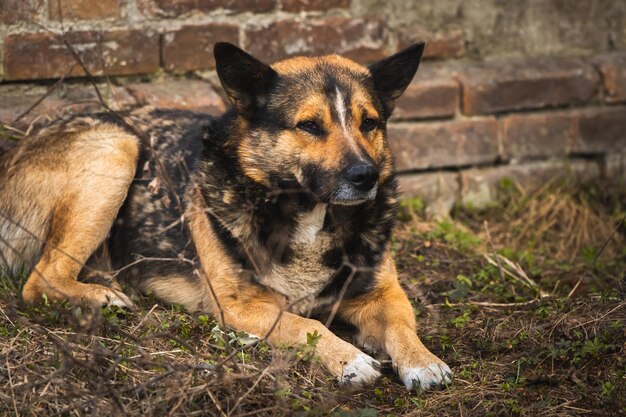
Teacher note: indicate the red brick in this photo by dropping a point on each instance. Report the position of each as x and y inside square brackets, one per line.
[508, 86]
[177, 8]
[17, 11]
[65, 99]
[84, 9]
[541, 134]
[432, 94]
[613, 70]
[180, 94]
[359, 39]
[601, 130]
[480, 186]
[313, 5]
[44, 55]
[191, 47]
[439, 45]
[443, 144]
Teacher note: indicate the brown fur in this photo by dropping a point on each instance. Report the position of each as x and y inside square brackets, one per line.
[76, 206]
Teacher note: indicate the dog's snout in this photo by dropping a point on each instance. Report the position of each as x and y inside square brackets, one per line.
[362, 176]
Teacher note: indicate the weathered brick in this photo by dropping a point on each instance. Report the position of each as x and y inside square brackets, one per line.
[480, 186]
[438, 190]
[439, 45]
[65, 99]
[508, 86]
[17, 11]
[443, 144]
[614, 166]
[177, 8]
[601, 130]
[541, 134]
[313, 5]
[44, 55]
[613, 70]
[191, 47]
[84, 9]
[359, 39]
[181, 94]
[432, 94]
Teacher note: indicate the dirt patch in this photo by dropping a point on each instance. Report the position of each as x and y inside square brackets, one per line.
[525, 300]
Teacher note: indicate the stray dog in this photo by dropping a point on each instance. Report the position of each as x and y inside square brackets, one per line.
[279, 210]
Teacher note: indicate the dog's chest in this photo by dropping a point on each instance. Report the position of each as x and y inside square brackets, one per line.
[304, 276]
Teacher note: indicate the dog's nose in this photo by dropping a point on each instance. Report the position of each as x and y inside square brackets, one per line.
[362, 176]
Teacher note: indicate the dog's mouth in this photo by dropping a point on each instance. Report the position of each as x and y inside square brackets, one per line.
[347, 195]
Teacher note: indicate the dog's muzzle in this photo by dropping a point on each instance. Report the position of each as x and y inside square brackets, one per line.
[358, 183]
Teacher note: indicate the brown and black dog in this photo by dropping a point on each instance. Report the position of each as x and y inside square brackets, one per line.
[280, 210]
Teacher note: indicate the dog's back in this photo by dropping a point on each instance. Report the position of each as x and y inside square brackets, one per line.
[34, 176]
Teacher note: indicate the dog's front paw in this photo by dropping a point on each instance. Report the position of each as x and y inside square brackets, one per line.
[434, 375]
[96, 296]
[363, 370]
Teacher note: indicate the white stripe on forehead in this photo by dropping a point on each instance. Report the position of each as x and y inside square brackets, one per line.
[340, 108]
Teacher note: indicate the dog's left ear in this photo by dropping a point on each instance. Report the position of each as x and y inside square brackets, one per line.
[245, 78]
[393, 74]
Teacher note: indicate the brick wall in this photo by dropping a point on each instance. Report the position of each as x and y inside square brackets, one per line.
[484, 105]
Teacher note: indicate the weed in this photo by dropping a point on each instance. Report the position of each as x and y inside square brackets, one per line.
[410, 207]
[458, 238]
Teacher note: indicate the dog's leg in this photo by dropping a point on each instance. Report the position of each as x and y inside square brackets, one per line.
[100, 166]
[386, 320]
[253, 309]
[258, 313]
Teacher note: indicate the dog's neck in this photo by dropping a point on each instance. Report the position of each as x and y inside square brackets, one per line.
[260, 222]
[310, 224]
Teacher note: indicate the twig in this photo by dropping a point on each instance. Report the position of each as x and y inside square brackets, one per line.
[40, 100]
[488, 304]
[217, 404]
[254, 385]
[10, 347]
[623, 304]
[595, 258]
[491, 247]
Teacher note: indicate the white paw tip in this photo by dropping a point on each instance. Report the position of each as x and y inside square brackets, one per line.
[432, 376]
[120, 300]
[362, 370]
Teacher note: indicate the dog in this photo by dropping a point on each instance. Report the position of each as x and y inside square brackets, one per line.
[278, 211]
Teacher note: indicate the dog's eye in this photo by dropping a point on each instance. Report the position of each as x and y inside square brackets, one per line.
[311, 127]
[368, 124]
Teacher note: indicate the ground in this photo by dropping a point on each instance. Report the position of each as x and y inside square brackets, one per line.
[524, 299]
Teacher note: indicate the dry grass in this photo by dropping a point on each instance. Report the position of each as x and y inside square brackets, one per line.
[519, 340]
[557, 221]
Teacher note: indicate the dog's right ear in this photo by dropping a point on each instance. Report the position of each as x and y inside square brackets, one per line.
[393, 74]
[245, 78]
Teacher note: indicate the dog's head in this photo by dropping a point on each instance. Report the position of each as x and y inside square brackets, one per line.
[319, 120]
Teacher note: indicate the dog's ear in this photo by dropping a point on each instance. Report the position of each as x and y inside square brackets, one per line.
[393, 74]
[245, 78]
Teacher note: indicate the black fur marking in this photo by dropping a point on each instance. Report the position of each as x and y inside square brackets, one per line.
[356, 259]
[393, 74]
[245, 79]
[230, 243]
